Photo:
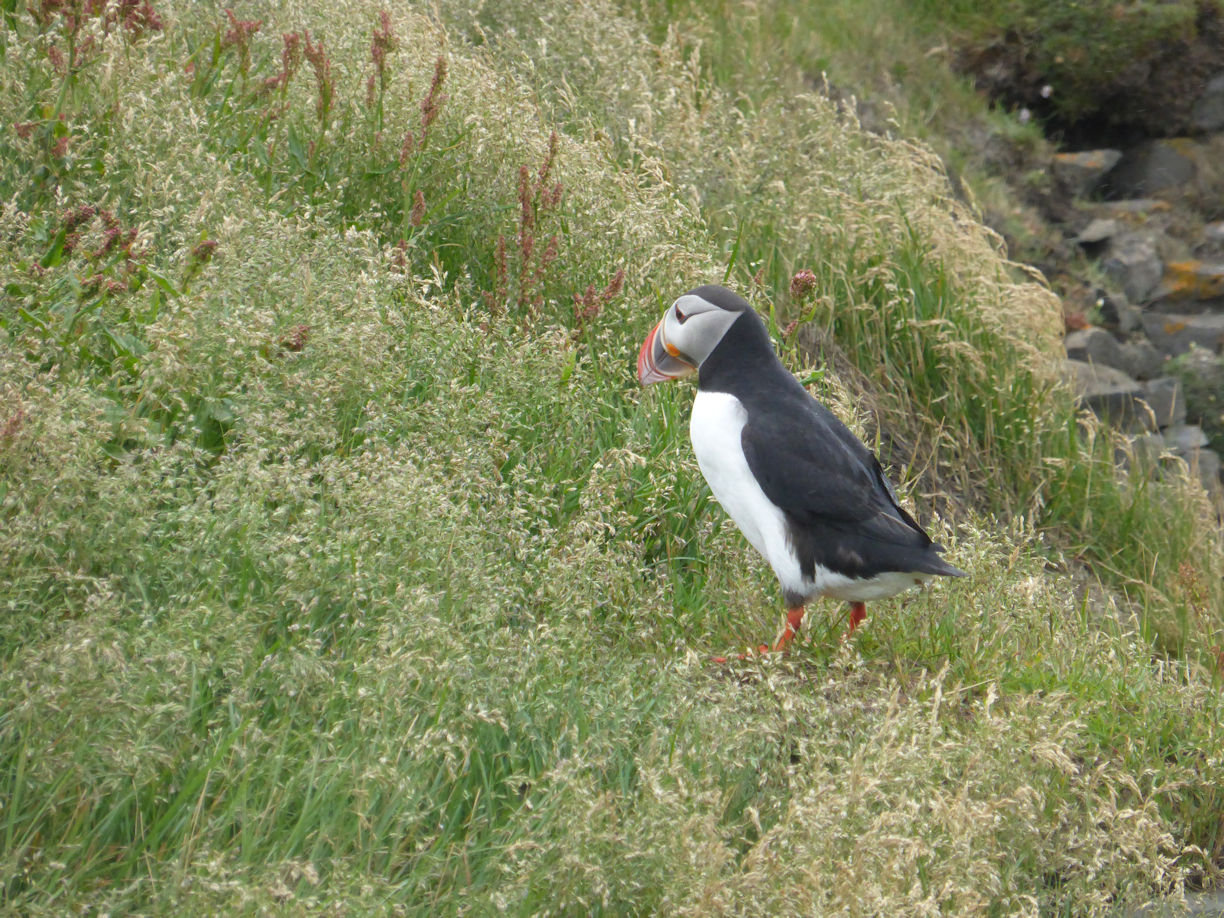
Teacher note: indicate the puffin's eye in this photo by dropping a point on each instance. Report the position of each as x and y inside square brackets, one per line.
[680, 317]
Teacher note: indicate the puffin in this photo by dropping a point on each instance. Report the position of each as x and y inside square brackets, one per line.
[808, 495]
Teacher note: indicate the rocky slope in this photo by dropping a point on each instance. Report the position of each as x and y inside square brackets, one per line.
[1134, 221]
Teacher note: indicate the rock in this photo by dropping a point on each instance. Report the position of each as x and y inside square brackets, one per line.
[1118, 312]
[1192, 280]
[1135, 207]
[1214, 232]
[1110, 394]
[1152, 167]
[1098, 230]
[1206, 462]
[1173, 334]
[1164, 397]
[1140, 359]
[1201, 363]
[1202, 377]
[1080, 173]
[1133, 263]
[1184, 438]
[1094, 345]
[1208, 112]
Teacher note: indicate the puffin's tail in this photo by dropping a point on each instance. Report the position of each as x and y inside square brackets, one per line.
[937, 565]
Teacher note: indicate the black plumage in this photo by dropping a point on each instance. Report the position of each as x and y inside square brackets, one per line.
[806, 493]
[842, 512]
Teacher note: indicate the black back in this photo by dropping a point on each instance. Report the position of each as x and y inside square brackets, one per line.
[841, 509]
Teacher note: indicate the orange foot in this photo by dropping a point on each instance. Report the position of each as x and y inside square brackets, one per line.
[794, 617]
[858, 612]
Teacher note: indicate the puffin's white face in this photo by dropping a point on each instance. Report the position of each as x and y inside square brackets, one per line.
[684, 337]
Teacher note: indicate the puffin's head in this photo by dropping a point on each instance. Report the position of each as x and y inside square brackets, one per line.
[688, 332]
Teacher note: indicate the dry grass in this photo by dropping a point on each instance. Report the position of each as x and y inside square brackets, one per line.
[958, 346]
[332, 583]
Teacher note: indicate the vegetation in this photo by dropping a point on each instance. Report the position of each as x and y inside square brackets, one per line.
[1088, 49]
[910, 286]
[345, 565]
[893, 63]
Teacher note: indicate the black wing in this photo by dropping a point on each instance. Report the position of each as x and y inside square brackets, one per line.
[842, 510]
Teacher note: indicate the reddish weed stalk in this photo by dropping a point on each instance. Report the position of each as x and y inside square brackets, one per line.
[238, 36]
[536, 199]
[12, 425]
[135, 16]
[803, 284]
[200, 255]
[430, 106]
[417, 215]
[291, 59]
[114, 236]
[382, 44]
[589, 304]
[321, 64]
[107, 267]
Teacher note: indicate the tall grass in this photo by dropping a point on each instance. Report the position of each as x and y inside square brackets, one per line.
[957, 346]
[339, 574]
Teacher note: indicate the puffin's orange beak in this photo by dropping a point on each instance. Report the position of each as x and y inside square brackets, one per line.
[658, 362]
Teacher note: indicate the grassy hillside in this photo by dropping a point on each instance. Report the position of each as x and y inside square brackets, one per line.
[346, 566]
[956, 346]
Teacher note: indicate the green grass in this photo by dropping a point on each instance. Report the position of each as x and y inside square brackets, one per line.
[955, 345]
[345, 567]
[893, 62]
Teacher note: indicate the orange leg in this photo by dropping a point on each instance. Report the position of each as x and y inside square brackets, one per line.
[858, 612]
[794, 617]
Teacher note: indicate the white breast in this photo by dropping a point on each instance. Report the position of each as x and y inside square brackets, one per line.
[714, 428]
